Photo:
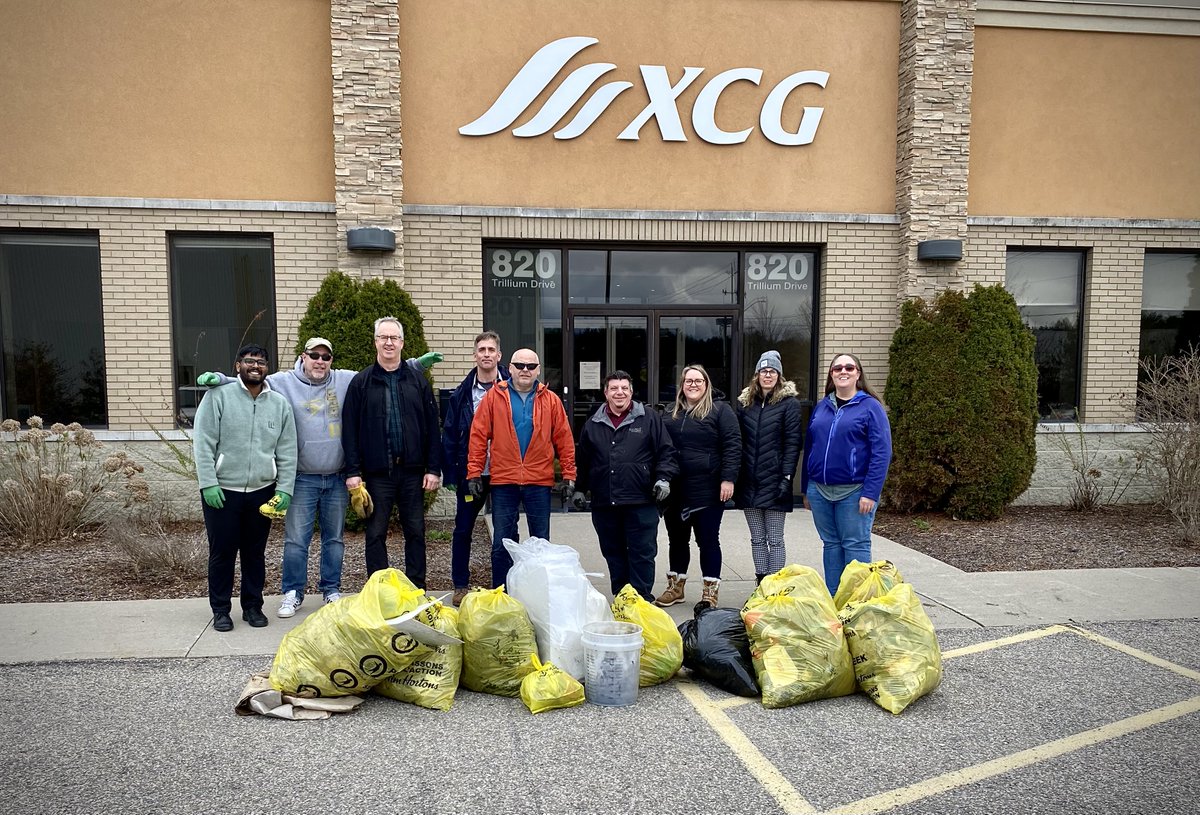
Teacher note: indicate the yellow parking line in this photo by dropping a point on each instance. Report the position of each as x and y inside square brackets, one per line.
[969, 775]
[759, 766]
[1134, 652]
[990, 644]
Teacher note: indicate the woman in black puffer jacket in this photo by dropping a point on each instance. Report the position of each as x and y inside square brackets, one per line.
[709, 444]
[770, 419]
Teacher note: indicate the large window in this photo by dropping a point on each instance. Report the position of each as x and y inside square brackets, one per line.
[1170, 303]
[523, 304]
[1048, 289]
[222, 297]
[780, 297]
[52, 328]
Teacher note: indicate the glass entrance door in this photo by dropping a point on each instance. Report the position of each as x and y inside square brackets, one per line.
[652, 346]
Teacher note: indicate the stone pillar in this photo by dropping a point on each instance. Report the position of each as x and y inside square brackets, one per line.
[368, 183]
[937, 55]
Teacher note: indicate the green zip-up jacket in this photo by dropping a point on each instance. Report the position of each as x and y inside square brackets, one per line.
[244, 443]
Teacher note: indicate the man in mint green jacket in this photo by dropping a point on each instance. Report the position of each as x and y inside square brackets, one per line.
[245, 449]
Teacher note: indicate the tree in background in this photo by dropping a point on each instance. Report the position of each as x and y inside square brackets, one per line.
[344, 311]
[962, 399]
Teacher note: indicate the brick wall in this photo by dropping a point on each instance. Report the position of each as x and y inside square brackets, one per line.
[135, 276]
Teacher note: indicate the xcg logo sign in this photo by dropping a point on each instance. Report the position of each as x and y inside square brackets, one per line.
[541, 69]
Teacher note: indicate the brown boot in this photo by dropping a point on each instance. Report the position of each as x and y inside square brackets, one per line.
[712, 586]
[674, 591]
[460, 594]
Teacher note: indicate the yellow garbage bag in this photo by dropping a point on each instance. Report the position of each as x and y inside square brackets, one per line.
[347, 647]
[897, 659]
[796, 641]
[431, 679]
[497, 640]
[662, 644]
[549, 688]
[862, 581]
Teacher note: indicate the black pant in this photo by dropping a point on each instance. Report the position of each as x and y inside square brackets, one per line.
[706, 523]
[629, 542]
[402, 488]
[235, 528]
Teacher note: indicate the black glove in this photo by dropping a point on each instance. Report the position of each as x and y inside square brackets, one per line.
[579, 499]
[661, 490]
[475, 487]
[785, 487]
[568, 489]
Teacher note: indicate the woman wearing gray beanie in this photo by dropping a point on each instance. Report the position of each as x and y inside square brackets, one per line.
[770, 419]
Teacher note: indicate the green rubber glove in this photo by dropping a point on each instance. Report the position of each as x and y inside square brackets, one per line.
[213, 496]
[282, 501]
[429, 360]
[208, 378]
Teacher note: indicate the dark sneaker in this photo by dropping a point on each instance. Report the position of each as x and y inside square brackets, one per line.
[255, 617]
[222, 622]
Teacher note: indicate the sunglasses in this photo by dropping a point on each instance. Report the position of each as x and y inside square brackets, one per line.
[320, 356]
[847, 368]
[525, 366]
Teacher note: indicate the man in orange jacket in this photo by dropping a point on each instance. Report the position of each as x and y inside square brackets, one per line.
[525, 426]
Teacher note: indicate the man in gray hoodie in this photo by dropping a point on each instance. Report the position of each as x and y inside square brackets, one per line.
[316, 391]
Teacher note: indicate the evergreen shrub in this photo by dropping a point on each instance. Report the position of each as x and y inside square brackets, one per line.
[962, 399]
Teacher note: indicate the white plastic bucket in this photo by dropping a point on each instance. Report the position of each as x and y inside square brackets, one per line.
[613, 659]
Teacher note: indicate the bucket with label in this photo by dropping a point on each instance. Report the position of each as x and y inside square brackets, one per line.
[613, 659]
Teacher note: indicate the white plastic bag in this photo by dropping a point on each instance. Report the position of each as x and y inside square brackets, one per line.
[550, 582]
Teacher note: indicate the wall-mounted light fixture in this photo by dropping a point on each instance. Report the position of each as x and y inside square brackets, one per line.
[370, 239]
[939, 250]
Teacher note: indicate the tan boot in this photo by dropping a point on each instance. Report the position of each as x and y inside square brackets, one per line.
[673, 593]
[712, 586]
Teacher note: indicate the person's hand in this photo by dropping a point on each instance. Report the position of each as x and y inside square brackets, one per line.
[475, 487]
[807, 505]
[427, 361]
[865, 505]
[208, 379]
[360, 501]
[568, 488]
[276, 508]
[661, 490]
[785, 487]
[282, 501]
[579, 499]
[431, 482]
[213, 496]
[726, 491]
[353, 482]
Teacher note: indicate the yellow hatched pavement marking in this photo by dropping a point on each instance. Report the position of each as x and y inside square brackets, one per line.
[1000, 643]
[790, 800]
[969, 775]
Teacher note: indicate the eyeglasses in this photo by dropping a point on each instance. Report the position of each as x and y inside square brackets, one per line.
[316, 355]
[768, 372]
[839, 368]
[389, 338]
[253, 363]
[525, 366]
[693, 381]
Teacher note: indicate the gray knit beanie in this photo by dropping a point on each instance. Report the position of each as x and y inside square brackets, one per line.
[769, 359]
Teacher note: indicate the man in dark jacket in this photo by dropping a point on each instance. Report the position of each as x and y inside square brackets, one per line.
[456, 437]
[390, 438]
[626, 459]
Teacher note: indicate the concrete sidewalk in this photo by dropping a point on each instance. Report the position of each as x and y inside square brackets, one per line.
[38, 632]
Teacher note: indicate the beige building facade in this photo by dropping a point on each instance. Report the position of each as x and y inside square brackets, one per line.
[615, 185]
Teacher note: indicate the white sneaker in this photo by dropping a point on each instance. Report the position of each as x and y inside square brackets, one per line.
[333, 597]
[290, 603]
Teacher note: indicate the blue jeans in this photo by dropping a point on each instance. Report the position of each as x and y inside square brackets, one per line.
[325, 495]
[506, 502]
[844, 530]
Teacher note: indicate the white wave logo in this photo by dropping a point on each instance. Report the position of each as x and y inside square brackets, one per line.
[541, 69]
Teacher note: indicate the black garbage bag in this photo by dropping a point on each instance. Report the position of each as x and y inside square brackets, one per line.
[717, 648]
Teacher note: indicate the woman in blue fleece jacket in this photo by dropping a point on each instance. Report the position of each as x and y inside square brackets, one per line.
[846, 455]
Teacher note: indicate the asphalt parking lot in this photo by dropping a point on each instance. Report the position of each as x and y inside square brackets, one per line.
[1097, 717]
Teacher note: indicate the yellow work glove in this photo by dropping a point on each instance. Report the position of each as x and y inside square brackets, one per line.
[360, 501]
